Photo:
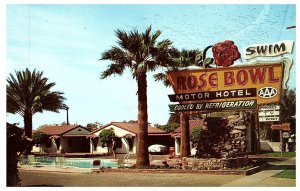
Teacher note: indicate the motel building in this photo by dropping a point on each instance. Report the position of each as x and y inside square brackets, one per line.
[195, 123]
[78, 139]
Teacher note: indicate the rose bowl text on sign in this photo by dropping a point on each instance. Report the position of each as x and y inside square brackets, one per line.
[260, 77]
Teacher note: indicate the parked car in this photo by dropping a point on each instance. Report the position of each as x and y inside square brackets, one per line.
[158, 149]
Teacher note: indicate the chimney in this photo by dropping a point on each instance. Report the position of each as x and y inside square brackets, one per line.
[67, 108]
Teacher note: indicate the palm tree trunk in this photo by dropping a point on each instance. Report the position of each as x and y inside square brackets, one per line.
[28, 123]
[142, 137]
[185, 136]
[12, 178]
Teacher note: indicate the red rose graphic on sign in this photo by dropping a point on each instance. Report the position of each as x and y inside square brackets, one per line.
[225, 53]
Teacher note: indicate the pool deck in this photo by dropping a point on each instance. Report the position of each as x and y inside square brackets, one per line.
[57, 176]
[61, 169]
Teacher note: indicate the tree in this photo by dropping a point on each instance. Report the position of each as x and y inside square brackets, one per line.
[92, 126]
[106, 136]
[288, 105]
[28, 93]
[174, 118]
[195, 134]
[181, 60]
[17, 144]
[185, 149]
[40, 138]
[141, 53]
[184, 59]
[169, 127]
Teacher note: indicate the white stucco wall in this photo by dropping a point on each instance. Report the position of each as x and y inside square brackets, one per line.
[119, 133]
[36, 149]
[177, 147]
[42, 149]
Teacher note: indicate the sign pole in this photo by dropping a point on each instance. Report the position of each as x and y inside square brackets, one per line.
[258, 133]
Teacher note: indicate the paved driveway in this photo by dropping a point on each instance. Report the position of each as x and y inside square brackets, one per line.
[124, 179]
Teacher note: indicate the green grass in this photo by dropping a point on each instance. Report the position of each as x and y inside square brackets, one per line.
[288, 173]
[277, 154]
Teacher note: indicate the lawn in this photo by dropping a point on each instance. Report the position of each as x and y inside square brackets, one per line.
[278, 154]
[288, 173]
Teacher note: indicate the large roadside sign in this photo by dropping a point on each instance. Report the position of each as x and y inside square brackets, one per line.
[260, 82]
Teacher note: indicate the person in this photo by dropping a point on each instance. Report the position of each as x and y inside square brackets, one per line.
[114, 147]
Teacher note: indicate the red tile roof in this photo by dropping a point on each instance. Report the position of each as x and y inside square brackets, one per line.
[133, 128]
[57, 130]
[193, 123]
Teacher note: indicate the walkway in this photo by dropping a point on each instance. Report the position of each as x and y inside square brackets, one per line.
[264, 178]
[124, 179]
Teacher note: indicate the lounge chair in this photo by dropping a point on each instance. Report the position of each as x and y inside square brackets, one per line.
[128, 155]
[32, 161]
[60, 161]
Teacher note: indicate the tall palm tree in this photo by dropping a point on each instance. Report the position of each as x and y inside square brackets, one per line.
[140, 52]
[28, 93]
[181, 60]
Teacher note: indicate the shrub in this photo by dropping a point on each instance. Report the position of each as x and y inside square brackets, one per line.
[40, 138]
[195, 134]
[106, 136]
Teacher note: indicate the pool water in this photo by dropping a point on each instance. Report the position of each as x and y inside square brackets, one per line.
[73, 162]
[105, 163]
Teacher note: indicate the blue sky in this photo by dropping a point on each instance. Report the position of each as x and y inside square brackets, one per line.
[66, 41]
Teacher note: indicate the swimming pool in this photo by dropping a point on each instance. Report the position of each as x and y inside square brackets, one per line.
[74, 162]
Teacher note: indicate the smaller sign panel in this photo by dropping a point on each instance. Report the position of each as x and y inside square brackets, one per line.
[225, 94]
[268, 113]
[269, 50]
[215, 106]
[285, 135]
[284, 126]
[268, 118]
[269, 107]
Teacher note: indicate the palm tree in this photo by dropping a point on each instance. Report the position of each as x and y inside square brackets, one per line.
[28, 93]
[140, 52]
[184, 59]
[181, 60]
